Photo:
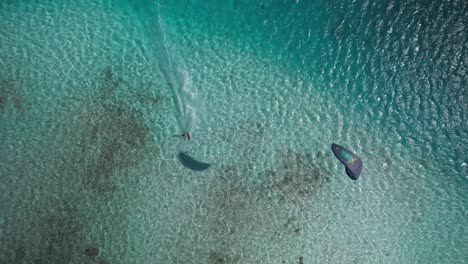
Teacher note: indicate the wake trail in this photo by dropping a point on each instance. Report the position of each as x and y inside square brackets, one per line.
[178, 79]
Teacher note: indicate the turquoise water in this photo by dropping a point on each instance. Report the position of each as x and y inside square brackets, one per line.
[92, 96]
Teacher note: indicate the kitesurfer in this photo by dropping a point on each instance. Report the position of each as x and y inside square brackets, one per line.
[186, 135]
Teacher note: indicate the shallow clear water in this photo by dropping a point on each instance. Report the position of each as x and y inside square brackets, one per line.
[93, 96]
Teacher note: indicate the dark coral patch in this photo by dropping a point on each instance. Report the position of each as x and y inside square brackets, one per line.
[108, 138]
[92, 252]
[108, 135]
[218, 257]
[299, 175]
[9, 91]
